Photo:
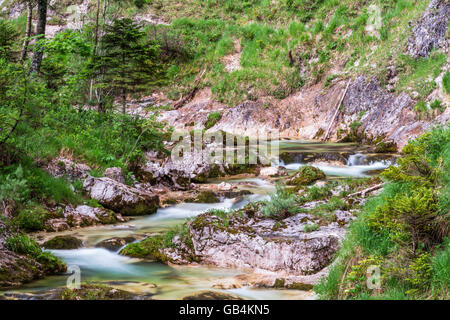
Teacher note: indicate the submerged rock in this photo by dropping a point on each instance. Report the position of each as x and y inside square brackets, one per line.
[63, 242]
[91, 291]
[211, 295]
[121, 198]
[114, 244]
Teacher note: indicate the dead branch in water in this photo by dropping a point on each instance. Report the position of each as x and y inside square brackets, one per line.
[183, 100]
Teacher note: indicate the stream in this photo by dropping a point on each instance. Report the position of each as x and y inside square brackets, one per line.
[175, 282]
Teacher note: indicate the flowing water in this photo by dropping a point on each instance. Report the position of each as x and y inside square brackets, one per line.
[174, 282]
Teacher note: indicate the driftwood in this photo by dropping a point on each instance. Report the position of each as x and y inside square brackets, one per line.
[183, 100]
[337, 110]
[363, 192]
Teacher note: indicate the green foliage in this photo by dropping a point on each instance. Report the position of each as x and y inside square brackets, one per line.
[281, 204]
[14, 187]
[8, 37]
[23, 244]
[306, 175]
[31, 219]
[128, 63]
[404, 230]
[213, 118]
[446, 82]
[311, 227]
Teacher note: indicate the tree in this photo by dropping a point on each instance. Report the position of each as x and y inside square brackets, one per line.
[40, 33]
[28, 29]
[127, 63]
[8, 36]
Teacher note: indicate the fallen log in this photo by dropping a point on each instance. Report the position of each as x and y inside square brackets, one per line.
[363, 192]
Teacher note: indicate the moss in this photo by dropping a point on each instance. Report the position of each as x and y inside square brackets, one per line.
[95, 291]
[300, 286]
[63, 242]
[385, 147]
[205, 197]
[279, 283]
[51, 264]
[306, 175]
[213, 118]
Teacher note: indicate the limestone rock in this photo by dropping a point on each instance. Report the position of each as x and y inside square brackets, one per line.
[429, 32]
[115, 174]
[121, 198]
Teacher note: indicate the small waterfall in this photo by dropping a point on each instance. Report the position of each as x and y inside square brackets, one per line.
[357, 160]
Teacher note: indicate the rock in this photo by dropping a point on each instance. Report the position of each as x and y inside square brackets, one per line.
[115, 174]
[63, 243]
[211, 295]
[224, 186]
[227, 284]
[429, 32]
[205, 197]
[84, 215]
[17, 269]
[114, 244]
[121, 198]
[260, 245]
[306, 175]
[90, 291]
[273, 172]
[56, 225]
[63, 167]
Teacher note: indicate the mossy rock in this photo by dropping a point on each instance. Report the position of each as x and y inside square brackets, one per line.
[306, 176]
[63, 242]
[385, 147]
[205, 197]
[97, 291]
[211, 295]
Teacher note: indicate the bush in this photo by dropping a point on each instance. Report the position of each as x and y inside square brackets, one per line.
[281, 204]
[31, 219]
[23, 244]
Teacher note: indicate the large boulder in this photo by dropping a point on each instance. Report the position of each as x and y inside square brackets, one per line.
[121, 198]
[257, 246]
[63, 242]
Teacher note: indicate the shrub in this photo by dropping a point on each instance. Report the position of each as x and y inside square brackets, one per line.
[31, 219]
[23, 244]
[280, 205]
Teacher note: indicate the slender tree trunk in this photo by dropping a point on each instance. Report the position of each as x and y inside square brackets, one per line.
[124, 100]
[29, 27]
[40, 32]
[94, 51]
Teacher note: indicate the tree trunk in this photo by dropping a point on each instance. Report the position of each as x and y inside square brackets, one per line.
[124, 101]
[40, 32]
[29, 27]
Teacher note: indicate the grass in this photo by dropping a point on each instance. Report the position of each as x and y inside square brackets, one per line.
[402, 231]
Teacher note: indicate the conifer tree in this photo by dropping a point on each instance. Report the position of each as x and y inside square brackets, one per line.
[126, 62]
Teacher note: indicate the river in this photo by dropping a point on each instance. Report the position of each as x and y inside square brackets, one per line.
[174, 282]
